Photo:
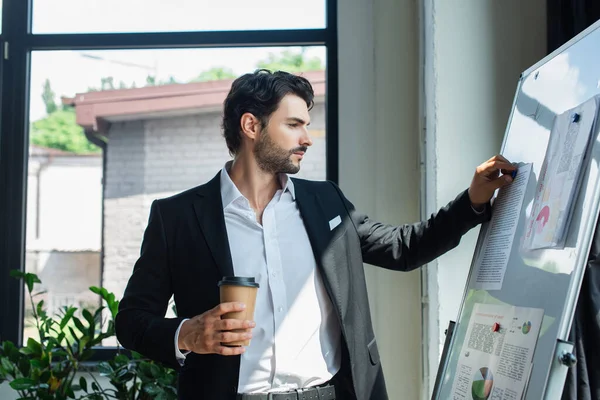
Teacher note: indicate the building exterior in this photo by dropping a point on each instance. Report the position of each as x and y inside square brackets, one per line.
[159, 141]
[64, 210]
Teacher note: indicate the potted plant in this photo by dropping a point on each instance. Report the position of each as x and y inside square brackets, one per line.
[47, 367]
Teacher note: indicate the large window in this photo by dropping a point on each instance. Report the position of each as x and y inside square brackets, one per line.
[100, 16]
[113, 104]
[138, 125]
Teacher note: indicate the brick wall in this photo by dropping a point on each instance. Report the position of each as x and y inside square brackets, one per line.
[155, 158]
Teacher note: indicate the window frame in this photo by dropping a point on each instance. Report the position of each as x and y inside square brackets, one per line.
[16, 44]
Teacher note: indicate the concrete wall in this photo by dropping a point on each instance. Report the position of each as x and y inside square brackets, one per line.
[474, 53]
[154, 158]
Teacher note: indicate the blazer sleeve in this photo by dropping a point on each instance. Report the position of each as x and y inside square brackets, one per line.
[410, 246]
[140, 324]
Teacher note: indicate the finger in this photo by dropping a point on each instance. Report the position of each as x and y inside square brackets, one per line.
[231, 324]
[228, 337]
[500, 182]
[228, 307]
[229, 351]
[494, 166]
[510, 173]
[500, 157]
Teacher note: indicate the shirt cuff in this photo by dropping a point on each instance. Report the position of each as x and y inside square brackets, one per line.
[179, 356]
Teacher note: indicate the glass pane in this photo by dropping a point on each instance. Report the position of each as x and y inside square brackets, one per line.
[158, 113]
[87, 16]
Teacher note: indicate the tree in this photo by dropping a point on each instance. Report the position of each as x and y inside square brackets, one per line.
[291, 62]
[215, 74]
[48, 97]
[59, 130]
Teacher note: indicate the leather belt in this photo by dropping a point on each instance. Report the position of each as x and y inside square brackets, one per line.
[312, 393]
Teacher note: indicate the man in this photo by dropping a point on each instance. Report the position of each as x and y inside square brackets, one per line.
[305, 244]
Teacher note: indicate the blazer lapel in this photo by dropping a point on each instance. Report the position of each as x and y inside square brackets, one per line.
[209, 211]
[317, 227]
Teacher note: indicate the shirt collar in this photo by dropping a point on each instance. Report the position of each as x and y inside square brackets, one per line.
[230, 192]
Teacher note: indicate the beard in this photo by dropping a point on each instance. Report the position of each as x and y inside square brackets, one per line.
[274, 159]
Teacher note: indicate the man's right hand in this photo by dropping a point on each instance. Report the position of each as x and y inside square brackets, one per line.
[205, 333]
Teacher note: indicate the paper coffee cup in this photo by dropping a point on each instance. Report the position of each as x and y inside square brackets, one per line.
[241, 290]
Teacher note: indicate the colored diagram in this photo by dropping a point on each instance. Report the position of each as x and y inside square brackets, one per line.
[483, 382]
[542, 218]
[526, 327]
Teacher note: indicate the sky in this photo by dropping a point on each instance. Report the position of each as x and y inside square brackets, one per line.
[72, 72]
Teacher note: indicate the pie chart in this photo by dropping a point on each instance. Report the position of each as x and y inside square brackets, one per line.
[483, 382]
[542, 218]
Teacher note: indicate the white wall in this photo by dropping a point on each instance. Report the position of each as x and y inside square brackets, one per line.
[475, 51]
[67, 192]
[378, 102]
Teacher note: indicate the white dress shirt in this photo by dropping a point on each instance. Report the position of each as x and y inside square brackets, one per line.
[296, 341]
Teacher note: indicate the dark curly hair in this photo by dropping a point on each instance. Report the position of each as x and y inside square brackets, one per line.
[259, 93]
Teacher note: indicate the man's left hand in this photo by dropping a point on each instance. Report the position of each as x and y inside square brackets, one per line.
[487, 179]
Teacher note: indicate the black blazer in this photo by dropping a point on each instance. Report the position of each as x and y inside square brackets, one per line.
[185, 252]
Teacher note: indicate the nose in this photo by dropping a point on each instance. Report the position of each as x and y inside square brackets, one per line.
[306, 140]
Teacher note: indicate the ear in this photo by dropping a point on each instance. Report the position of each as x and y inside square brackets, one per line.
[250, 126]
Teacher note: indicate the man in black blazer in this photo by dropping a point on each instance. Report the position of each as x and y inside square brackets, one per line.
[303, 241]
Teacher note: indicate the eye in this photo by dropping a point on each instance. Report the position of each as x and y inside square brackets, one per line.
[294, 125]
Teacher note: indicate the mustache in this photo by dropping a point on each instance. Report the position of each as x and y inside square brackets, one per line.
[301, 148]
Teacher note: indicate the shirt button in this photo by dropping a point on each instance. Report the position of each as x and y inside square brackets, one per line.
[280, 309]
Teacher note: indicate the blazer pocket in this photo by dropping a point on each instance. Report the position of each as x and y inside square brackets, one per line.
[373, 352]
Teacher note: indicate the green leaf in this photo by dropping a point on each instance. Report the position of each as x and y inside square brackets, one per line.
[7, 365]
[84, 341]
[30, 280]
[88, 317]
[105, 369]
[161, 396]
[79, 325]
[67, 317]
[16, 273]
[43, 386]
[155, 370]
[73, 334]
[25, 350]
[22, 384]
[24, 366]
[86, 354]
[152, 389]
[96, 289]
[98, 314]
[95, 387]
[40, 307]
[45, 377]
[34, 346]
[83, 384]
[121, 359]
